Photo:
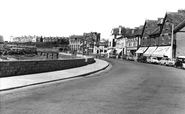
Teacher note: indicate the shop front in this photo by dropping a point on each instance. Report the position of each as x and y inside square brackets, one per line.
[131, 53]
[118, 52]
[141, 50]
[163, 51]
[149, 51]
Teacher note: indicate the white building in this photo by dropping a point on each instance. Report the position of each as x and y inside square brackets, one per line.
[23, 39]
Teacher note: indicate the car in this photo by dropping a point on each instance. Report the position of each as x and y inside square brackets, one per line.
[180, 62]
[163, 61]
[170, 62]
[142, 59]
[130, 58]
[148, 60]
[112, 55]
[152, 60]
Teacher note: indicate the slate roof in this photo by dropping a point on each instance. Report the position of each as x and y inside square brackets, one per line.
[115, 31]
[149, 27]
[157, 30]
[138, 31]
[173, 17]
[129, 32]
[180, 26]
[76, 36]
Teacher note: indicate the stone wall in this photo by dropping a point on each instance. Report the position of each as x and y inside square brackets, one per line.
[14, 68]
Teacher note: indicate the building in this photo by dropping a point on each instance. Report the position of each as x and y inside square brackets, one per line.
[145, 42]
[1, 43]
[169, 36]
[172, 34]
[75, 42]
[91, 42]
[23, 39]
[133, 42]
[62, 43]
[179, 33]
[118, 42]
[166, 38]
[102, 47]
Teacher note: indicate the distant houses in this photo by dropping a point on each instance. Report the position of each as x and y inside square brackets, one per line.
[85, 44]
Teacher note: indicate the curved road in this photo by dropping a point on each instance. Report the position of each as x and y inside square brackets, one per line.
[127, 88]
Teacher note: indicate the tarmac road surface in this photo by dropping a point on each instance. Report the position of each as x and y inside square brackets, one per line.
[127, 88]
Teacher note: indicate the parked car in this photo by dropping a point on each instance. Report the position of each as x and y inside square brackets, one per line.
[163, 61]
[152, 60]
[112, 55]
[103, 55]
[142, 59]
[180, 62]
[130, 58]
[148, 60]
[170, 62]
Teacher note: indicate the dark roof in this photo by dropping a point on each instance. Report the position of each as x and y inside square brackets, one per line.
[76, 36]
[157, 30]
[149, 27]
[128, 32]
[173, 17]
[138, 31]
[115, 31]
[180, 26]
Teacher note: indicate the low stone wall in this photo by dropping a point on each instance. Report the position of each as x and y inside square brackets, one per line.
[14, 68]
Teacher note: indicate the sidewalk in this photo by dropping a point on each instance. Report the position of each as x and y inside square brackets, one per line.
[9, 83]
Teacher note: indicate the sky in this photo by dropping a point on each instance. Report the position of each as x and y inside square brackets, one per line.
[75, 17]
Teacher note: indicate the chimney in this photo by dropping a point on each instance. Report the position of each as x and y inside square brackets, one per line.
[160, 18]
[160, 21]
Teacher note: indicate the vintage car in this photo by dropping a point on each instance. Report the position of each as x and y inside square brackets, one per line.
[152, 60]
[112, 55]
[141, 59]
[170, 62]
[163, 61]
[180, 62]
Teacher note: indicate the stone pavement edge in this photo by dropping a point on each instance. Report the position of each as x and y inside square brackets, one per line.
[14, 82]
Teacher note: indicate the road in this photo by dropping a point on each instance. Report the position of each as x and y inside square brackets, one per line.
[127, 88]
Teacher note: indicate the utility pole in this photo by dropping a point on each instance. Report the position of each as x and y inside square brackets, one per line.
[172, 25]
[172, 39]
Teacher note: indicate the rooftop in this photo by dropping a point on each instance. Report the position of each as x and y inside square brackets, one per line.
[172, 17]
[149, 27]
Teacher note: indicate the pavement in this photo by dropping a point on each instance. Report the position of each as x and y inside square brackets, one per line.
[14, 82]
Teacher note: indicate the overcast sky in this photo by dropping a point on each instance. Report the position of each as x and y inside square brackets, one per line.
[68, 17]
